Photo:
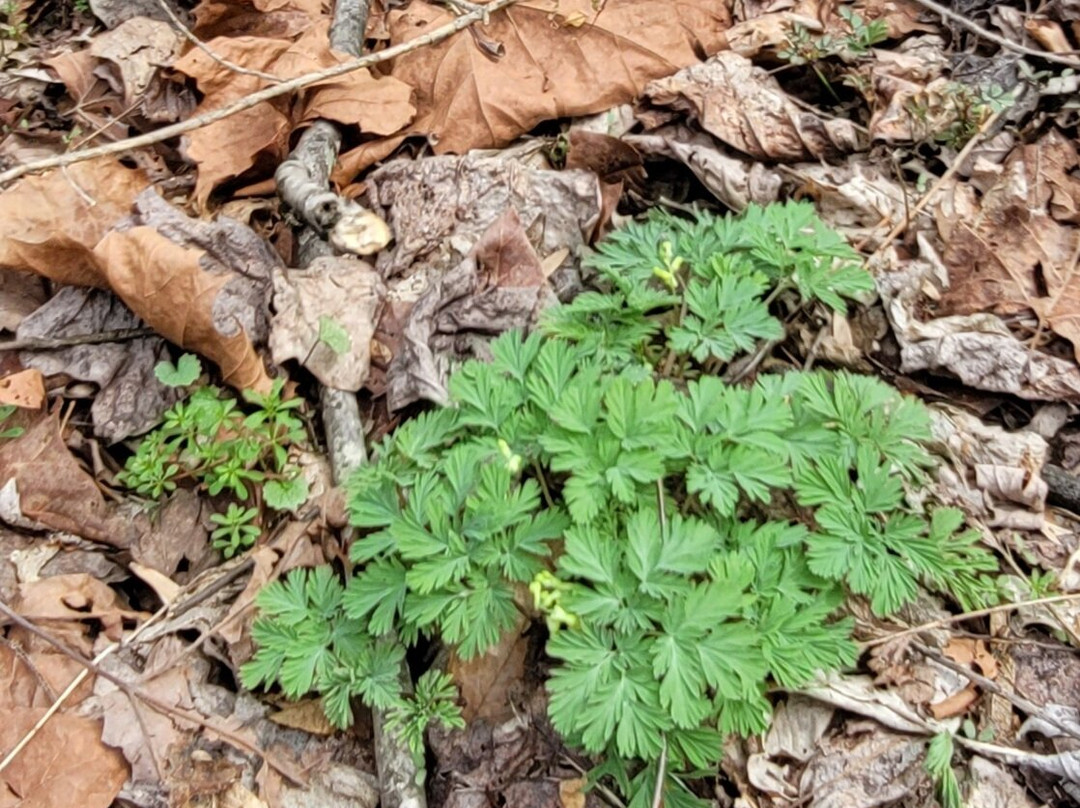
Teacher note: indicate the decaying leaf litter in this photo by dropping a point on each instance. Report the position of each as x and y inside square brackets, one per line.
[945, 149]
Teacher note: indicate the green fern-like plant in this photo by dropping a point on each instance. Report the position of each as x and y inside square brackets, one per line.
[687, 541]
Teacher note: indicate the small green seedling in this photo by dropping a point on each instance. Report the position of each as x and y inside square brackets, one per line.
[939, 753]
[210, 440]
[6, 411]
[236, 531]
[184, 373]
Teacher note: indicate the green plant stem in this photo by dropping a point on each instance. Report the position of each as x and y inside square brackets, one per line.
[541, 478]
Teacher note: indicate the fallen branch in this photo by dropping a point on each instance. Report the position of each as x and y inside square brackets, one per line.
[972, 26]
[303, 184]
[178, 24]
[96, 338]
[136, 694]
[256, 98]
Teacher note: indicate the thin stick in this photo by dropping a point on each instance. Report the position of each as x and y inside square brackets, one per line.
[173, 609]
[990, 36]
[1029, 707]
[198, 43]
[932, 192]
[53, 343]
[152, 701]
[254, 99]
[73, 684]
[958, 618]
[661, 773]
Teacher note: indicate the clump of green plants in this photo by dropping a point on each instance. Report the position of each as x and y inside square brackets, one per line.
[223, 447]
[689, 542]
[804, 47]
[954, 114]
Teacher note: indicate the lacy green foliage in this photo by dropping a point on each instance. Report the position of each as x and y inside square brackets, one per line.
[434, 701]
[939, 753]
[307, 644]
[716, 277]
[242, 453]
[707, 533]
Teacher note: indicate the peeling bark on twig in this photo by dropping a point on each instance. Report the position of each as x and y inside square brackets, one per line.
[303, 181]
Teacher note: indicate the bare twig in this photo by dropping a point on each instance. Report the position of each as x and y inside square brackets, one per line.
[661, 773]
[221, 60]
[997, 39]
[253, 100]
[933, 190]
[959, 618]
[173, 609]
[1029, 707]
[135, 693]
[53, 343]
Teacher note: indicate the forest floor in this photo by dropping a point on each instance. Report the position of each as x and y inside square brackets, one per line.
[213, 220]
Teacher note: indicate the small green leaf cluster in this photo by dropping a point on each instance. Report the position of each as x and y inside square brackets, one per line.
[803, 47]
[433, 702]
[6, 411]
[306, 643]
[211, 441]
[235, 530]
[938, 764]
[688, 541]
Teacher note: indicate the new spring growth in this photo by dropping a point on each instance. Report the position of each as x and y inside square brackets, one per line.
[547, 591]
[513, 461]
[670, 265]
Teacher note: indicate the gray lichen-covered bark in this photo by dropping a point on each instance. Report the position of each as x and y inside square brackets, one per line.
[303, 183]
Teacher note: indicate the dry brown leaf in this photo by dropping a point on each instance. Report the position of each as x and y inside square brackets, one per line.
[498, 286]
[20, 295]
[749, 37]
[60, 225]
[902, 16]
[129, 400]
[1049, 34]
[135, 50]
[258, 138]
[307, 715]
[75, 597]
[50, 223]
[906, 80]
[734, 180]
[229, 18]
[486, 681]
[24, 389]
[164, 587]
[45, 484]
[165, 284]
[863, 770]
[346, 291]
[559, 61]
[743, 106]
[37, 673]
[64, 762]
[1018, 252]
[954, 705]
